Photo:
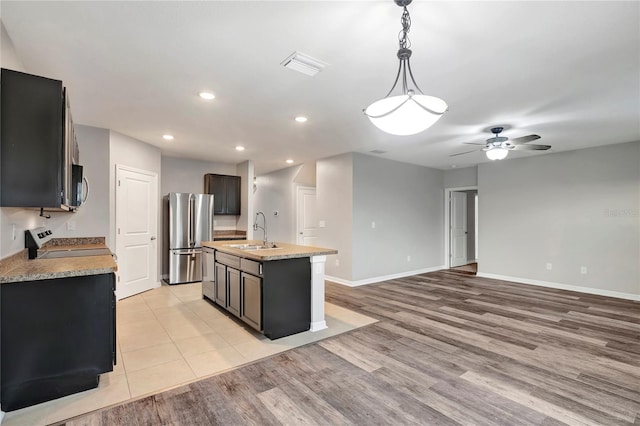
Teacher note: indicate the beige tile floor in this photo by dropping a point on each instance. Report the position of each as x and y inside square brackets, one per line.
[170, 336]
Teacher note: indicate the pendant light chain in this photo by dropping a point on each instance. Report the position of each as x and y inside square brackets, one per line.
[403, 36]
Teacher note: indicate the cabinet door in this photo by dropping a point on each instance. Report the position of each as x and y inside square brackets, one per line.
[215, 184]
[232, 189]
[252, 301]
[233, 286]
[31, 140]
[221, 285]
[208, 273]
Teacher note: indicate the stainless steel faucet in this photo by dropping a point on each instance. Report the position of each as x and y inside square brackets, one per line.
[264, 228]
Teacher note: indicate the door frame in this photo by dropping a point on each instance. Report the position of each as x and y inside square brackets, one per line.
[447, 221]
[298, 190]
[154, 175]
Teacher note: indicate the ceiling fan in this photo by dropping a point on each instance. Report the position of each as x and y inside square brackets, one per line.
[497, 147]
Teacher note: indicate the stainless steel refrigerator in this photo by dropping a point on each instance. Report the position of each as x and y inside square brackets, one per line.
[190, 222]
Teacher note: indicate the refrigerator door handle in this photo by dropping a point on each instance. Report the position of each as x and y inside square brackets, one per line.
[192, 220]
[189, 220]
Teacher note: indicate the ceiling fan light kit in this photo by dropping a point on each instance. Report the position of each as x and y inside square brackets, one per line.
[498, 147]
[412, 111]
[497, 153]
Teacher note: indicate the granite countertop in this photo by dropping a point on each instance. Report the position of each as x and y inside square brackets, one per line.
[229, 235]
[19, 268]
[282, 250]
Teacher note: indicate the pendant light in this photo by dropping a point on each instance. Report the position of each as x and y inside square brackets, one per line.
[411, 111]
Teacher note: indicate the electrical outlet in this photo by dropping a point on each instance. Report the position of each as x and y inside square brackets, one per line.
[321, 224]
[549, 266]
[408, 258]
[373, 225]
[14, 231]
[337, 262]
[583, 270]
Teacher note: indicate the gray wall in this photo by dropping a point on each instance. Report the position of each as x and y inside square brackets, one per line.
[276, 191]
[461, 178]
[334, 197]
[185, 175]
[244, 222]
[571, 209]
[406, 203]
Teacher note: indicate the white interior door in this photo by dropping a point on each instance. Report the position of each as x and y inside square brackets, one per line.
[458, 229]
[136, 231]
[307, 219]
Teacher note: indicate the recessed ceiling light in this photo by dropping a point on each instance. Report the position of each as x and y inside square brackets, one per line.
[289, 161]
[301, 119]
[239, 148]
[167, 137]
[207, 95]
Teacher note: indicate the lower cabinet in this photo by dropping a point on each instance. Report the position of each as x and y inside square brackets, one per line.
[273, 297]
[251, 295]
[233, 291]
[57, 337]
[221, 285]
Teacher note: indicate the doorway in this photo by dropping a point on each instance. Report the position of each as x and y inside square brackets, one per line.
[136, 230]
[306, 216]
[461, 229]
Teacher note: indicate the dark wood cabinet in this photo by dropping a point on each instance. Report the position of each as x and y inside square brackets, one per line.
[57, 337]
[32, 140]
[226, 192]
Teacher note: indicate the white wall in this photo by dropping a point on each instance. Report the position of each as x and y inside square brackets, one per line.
[185, 175]
[405, 202]
[334, 197]
[276, 191]
[570, 209]
[461, 178]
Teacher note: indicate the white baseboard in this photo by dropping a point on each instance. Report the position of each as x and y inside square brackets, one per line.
[382, 278]
[1, 416]
[559, 286]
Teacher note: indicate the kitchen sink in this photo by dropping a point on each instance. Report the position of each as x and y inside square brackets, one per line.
[253, 246]
[55, 254]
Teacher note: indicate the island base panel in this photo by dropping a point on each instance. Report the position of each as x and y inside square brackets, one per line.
[286, 297]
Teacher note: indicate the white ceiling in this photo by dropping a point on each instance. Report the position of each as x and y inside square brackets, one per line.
[566, 70]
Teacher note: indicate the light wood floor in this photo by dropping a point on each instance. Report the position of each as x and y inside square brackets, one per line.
[449, 349]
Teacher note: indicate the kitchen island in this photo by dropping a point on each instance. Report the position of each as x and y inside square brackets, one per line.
[277, 289]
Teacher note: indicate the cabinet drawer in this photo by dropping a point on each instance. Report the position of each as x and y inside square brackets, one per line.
[228, 259]
[251, 266]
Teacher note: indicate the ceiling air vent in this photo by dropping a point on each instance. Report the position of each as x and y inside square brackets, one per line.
[302, 63]
[378, 151]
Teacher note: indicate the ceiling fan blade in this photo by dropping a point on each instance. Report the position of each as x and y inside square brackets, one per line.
[532, 147]
[474, 143]
[460, 153]
[524, 139]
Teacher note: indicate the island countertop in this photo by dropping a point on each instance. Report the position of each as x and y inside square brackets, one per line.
[23, 269]
[281, 251]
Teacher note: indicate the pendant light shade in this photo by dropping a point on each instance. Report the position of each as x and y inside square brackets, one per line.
[411, 111]
[497, 153]
[410, 114]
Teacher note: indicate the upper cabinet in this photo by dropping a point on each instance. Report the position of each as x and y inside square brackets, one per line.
[226, 193]
[38, 149]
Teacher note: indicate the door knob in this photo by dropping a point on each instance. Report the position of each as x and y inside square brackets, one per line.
[153, 238]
